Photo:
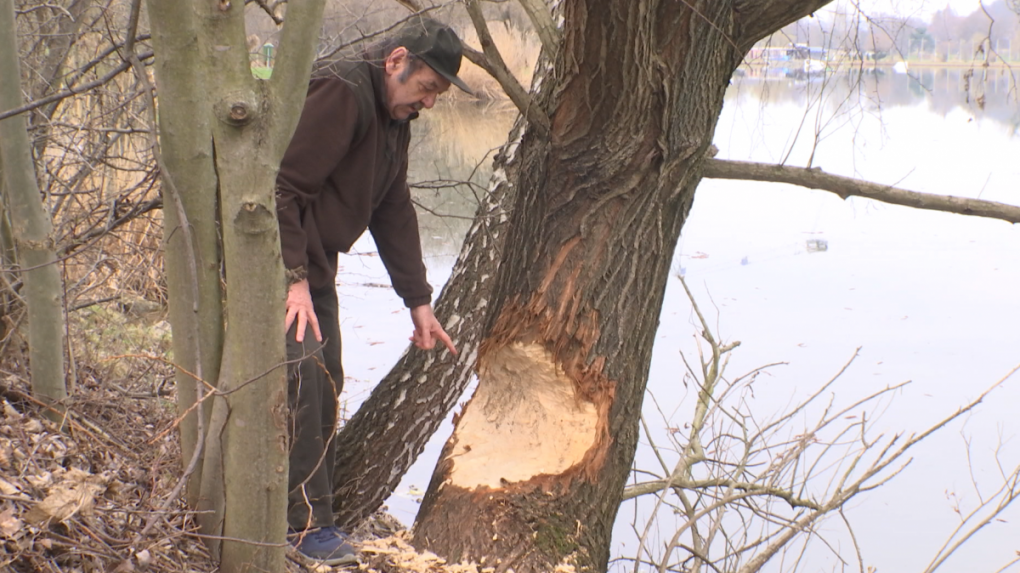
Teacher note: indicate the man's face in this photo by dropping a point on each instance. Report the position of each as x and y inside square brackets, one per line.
[409, 91]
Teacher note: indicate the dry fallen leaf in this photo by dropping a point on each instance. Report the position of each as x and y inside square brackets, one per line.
[7, 488]
[9, 525]
[75, 494]
[144, 558]
[10, 412]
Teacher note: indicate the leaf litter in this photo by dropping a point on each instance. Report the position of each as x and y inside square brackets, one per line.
[76, 501]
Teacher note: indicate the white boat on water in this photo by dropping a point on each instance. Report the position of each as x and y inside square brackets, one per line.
[900, 67]
[814, 66]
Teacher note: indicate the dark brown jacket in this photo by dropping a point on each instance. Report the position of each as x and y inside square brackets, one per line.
[346, 171]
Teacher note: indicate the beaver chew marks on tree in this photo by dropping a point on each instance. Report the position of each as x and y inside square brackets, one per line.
[525, 420]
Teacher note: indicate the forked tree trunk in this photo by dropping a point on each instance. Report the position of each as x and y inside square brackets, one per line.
[242, 129]
[31, 231]
[533, 474]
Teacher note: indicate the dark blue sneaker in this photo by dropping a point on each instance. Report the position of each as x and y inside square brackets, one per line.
[326, 544]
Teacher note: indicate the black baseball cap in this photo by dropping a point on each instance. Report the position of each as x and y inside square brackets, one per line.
[437, 45]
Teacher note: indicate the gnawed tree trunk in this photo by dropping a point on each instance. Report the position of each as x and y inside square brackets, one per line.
[31, 231]
[243, 129]
[533, 474]
[385, 436]
[383, 439]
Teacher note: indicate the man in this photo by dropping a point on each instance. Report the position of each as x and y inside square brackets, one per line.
[344, 172]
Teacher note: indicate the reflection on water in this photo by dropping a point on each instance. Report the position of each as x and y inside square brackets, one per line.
[989, 94]
[805, 278]
[450, 165]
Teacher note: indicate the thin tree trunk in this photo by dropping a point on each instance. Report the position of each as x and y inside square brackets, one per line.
[241, 129]
[8, 258]
[533, 474]
[252, 123]
[192, 250]
[32, 231]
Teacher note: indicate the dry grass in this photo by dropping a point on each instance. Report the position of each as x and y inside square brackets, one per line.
[460, 135]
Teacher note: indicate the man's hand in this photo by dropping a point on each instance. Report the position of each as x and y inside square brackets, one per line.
[427, 329]
[299, 306]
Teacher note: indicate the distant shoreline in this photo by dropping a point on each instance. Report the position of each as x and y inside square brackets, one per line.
[889, 63]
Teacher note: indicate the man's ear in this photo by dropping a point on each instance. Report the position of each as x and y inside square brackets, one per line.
[396, 60]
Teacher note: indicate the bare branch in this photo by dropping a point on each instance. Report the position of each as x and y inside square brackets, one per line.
[815, 178]
[63, 94]
[492, 62]
[541, 19]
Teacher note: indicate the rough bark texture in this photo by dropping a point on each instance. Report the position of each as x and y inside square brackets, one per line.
[562, 368]
[32, 230]
[384, 438]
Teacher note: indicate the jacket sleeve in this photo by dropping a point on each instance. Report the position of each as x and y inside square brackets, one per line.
[323, 137]
[394, 227]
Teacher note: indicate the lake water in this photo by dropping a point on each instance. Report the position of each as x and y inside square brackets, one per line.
[804, 278]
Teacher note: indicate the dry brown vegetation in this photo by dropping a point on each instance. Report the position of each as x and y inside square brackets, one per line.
[102, 495]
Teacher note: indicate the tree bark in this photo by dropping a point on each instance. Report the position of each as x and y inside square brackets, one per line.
[252, 123]
[533, 474]
[390, 429]
[243, 128]
[383, 439]
[190, 233]
[32, 232]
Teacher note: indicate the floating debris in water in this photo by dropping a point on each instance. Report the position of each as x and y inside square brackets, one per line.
[817, 245]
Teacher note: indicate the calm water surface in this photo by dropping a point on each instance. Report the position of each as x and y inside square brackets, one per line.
[927, 297]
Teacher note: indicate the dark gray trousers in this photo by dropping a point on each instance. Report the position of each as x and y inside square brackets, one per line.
[313, 386]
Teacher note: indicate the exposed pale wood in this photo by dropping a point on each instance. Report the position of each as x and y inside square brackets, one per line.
[634, 98]
[385, 436]
[845, 187]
